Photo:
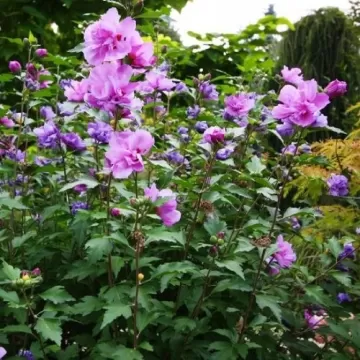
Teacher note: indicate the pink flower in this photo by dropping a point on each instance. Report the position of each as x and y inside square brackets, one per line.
[156, 82]
[7, 122]
[142, 55]
[125, 153]
[167, 211]
[109, 87]
[336, 88]
[292, 76]
[77, 90]
[2, 352]
[300, 106]
[314, 321]
[285, 255]
[41, 52]
[110, 39]
[14, 66]
[214, 134]
[239, 105]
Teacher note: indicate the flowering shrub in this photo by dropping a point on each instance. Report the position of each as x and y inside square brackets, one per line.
[144, 217]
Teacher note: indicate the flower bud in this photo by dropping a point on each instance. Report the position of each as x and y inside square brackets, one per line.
[41, 53]
[26, 41]
[14, 66]
[36, 272]
[220, 242]
[141, 276]
[133, 202]
[213, 239]
[25, 277]
[115, 212]
[213, 251]
[221, 235]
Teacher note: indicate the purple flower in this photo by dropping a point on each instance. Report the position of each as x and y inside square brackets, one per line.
[167, 211]
[156, 82]
[313, 321]
[27, 354]
[2, 352]
[295, 224]
[208, 91]
[336, 88]
[290, 149]
[338, 185]
[343, 297]
[47, 113]
[41, 161]
[110, 39]
[321, 121]
[348, 252]
[110, 87]
[184, 138]
[14, 67]
[142, 55]
[300, 106]
[81, 188]
[100, 131]
[64, 83]
[115, 212]
[73, 141]
[292, 76]
[193, 112]
[7, 122]
[125, 152]
[181, 87]
[284, 255]
[16, 155]
[78, 205]
[214, 135]
[175, 157]
[182, 130]
[48, 135]
[164, 67]
[239, 105]
[225, 153]
[41, 53]
[201, 126]
[305, 148]
[76, 90]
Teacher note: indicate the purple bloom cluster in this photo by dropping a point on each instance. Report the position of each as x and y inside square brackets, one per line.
[193, 112]
[238, 105]
[27, 354]
[78, 205]
[208, 91]
[100, 131]
[175, 157]
[338, 185]
[73, 141]
[225, 153]
[201, 126]
[47, 113]
[48, 135]
[343, 297]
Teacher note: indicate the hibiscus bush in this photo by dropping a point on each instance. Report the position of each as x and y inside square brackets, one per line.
[145, 217]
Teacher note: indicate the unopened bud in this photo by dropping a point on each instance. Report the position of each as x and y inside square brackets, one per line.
[213, 251]
[213, 239]
[26, 41]
[220, 242]
[207, 77]
[26, 277]
[133, 202]
[115, 212]
[141, 276]
[221, 234]
[36, 272]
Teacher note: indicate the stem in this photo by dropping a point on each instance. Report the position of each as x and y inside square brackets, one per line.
[136, 304]
[110, 275]
[96, 147]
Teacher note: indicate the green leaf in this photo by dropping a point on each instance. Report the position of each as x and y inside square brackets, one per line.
[161, 234]
[342, 278]
[214, 225]
[12, 204]
[10, 296]
[6, 77]
[271, 302]
[97, 248]
[334, 246]
[78, 48]
[114, 311]
[184, 324]
[117, 263]
[127, 354]
[268, 193]
[19, 240]
[36, 13]
[144, 318]
[161, 163]
[232, 284]
[316, 294]
[10, 272]
[49, 329]
[17, 329]
[87, 305]
[90, 183]
[233, 266]
[57, 295]
[255, 166]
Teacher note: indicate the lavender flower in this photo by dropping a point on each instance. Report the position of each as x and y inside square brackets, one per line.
[64, 83]
[27, 354]
[175, 157]
[182, 130]
[201, 126]
[285, 129]
[224, 154]
[78, 205]
[348, 252]
[208, 91]
[73, 141]
[181, 88]
[305, 148]
[42, 161]
[48, 135]
[290, 149]
[184, 138]
[295, 224]
[16, 155]
[81, 188]
[338, 185]
[100, 131]
[343, 297]
[47, 112]
[193, 112]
